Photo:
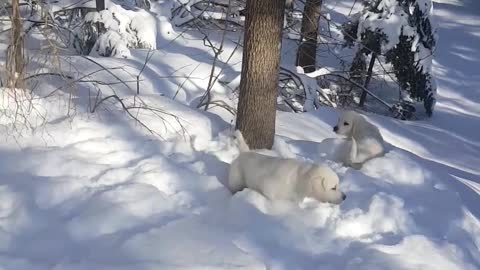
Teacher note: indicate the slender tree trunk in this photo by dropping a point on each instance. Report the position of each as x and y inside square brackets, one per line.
[90, 28]
[261, 61]
[358, 69]
[100, 5]
[307, 50]
[16, 58]
[363, 97]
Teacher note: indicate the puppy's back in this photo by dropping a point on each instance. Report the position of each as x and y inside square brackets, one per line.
[365, 129]
[271, 176]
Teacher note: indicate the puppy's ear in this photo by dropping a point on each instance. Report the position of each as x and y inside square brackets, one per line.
[357, 122]
[329, 182]
[353, 125]
[324, 184]
[315, 184]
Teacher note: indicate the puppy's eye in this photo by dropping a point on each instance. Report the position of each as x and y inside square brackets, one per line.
[346, 123]
[334, 188]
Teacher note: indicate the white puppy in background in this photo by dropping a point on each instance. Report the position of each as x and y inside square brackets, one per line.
[366, 142]
[282, 178]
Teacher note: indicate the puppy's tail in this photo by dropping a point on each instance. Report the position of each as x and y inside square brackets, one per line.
[242, 145]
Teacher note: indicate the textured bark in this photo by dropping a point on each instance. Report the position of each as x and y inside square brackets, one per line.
[17, 41]
[260, 66]
[307, 50]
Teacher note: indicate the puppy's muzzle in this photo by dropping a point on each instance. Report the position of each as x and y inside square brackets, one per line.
[335, 128]
[344, 196]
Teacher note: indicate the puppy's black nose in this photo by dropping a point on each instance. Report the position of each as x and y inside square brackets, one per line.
[335, 128]
[344, 196]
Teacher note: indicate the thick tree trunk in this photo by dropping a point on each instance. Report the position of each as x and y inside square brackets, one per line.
[260, 66]
[307, 50]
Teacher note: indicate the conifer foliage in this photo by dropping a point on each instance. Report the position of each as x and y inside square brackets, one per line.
[402, 32]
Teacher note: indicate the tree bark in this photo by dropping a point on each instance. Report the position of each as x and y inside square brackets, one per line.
[307, 50]
[363, 97]
[100, 5]
[17, 44]
[260, 66]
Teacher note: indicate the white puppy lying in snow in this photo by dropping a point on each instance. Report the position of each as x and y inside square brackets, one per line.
[365, 140]
[282, 178]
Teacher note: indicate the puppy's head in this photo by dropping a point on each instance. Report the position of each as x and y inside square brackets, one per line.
[324, 184]
[346, 123]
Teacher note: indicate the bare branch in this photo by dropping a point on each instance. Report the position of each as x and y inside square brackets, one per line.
[147, 59]
[49, 74]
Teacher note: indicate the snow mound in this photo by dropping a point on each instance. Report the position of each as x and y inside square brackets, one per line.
[99, 191]
[123, 29]
[385, 214]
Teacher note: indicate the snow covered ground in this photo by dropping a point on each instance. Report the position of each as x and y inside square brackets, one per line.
[97, 191]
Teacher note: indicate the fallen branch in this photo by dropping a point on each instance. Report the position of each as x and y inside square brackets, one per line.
[49, 74]
[222, 104]
[322, 73]
[126, 109]
[389, 106]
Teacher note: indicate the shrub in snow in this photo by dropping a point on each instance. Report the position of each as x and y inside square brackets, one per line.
[111, 32]
[228, 14]
[402, 31]
[144, 4]
[208, 13]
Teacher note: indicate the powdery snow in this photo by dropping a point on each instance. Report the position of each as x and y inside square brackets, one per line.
[96, 191]
[393, 22]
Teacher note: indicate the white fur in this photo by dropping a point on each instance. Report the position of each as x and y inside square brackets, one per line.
[335, 149]
[282, 178]
[366, 142]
